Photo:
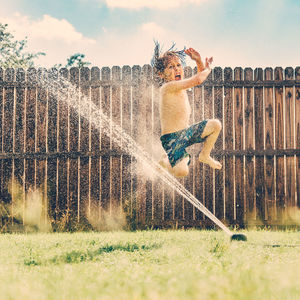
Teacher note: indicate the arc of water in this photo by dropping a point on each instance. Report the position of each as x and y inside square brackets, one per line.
[87, 109]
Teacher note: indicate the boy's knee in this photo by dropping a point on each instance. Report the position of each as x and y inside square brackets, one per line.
[217, 125]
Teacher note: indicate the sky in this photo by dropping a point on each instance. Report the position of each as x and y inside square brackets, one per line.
[237, 33]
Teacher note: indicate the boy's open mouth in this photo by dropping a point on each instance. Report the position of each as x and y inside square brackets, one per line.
[177, 77]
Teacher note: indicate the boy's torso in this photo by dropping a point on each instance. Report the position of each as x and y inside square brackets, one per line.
[175, 111]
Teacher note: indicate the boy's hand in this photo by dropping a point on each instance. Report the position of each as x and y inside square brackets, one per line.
[193, 54]
[208, 62]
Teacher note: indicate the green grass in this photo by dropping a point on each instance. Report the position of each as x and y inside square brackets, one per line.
[150, 265]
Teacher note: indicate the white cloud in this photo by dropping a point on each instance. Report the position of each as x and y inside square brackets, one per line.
[56, 37]
[153, 28]
[155, 4]
[115, 48]
[47, 28]
[59, 39]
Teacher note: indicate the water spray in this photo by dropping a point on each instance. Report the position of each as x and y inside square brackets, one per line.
[88, 110]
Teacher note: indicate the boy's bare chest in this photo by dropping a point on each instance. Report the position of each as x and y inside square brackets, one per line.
[177, 105]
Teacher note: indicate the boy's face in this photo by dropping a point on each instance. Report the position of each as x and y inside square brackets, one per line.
[173, 70]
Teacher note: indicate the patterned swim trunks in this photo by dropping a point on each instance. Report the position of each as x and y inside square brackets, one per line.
[175, 143]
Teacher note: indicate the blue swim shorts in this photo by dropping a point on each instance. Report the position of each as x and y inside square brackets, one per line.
[175, 143]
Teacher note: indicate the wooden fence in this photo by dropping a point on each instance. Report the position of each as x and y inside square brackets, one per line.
[80, 172]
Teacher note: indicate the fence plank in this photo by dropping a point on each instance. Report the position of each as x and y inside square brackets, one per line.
[188, 180]
[228, 130]
[238, 139]
[116, 179]
[249, 145]
[7, 140]
[30, 135]
[1, 128]
[269, 144]
[297, 136]
[147, 80]
[20, 130]
[63, 199]
[198, 168]
[193, 150]
[279, 142]
[138, 133]
[289, 140]
[84, 146]
[95, 174]
[8, 110]
[74, 146]
[127, 193]
[218, 114]
[105, 143]
[158, 191]
[208, 172]
[259, 144]
[41, 138]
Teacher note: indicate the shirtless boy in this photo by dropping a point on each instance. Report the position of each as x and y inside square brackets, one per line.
[175, 111]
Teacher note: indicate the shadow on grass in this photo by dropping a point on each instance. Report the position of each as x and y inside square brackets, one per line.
[89, 255]
[275, 245]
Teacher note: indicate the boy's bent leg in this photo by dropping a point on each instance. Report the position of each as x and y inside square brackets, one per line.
[211, 133]
[181, 169]
[164, 162]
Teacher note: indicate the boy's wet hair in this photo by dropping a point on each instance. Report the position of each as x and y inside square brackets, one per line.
[160, 60]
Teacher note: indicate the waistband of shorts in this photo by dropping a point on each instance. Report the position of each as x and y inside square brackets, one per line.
[170, 135]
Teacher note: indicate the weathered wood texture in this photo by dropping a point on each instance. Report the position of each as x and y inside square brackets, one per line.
[82, 174]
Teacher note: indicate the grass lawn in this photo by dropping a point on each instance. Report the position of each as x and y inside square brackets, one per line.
[150, 265]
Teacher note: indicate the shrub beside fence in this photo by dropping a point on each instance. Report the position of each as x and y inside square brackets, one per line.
[82, 174]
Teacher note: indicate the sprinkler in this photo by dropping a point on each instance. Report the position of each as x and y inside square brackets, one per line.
[238, 237]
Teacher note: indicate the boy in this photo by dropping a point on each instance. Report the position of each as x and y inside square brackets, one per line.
[175, 112]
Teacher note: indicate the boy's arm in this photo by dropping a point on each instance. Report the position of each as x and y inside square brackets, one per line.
[194, 55]
[176, 85]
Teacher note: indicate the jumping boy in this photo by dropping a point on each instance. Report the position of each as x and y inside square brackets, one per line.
[175, 111]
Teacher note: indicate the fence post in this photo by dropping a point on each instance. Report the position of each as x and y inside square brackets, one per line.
[127, 192]
[84, 144]
[279, 142]
[158, 193]
[238, 145]
[218, 114]
[146, 86]
[269, 145]
[259, 145]
[41, 138]
[116, 178]
[249, 145]
[297, 131]
[7, 165]
[208, 172]
[95, 164]
[138, 134]
[188, 180]
[228, 130]
[289, 142]
[105, 142]
[198, 168]
[74, 147]
[19, 135]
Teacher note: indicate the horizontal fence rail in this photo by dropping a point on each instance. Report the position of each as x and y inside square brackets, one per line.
[84, 178]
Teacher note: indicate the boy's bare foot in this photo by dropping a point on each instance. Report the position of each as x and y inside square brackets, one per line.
[210, 161]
